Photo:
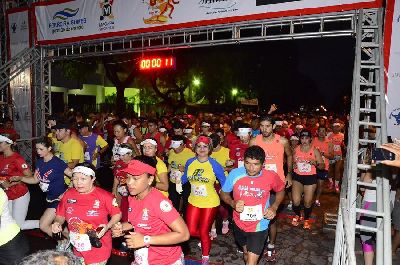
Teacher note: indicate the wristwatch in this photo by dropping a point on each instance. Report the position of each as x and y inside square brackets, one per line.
[146, 240]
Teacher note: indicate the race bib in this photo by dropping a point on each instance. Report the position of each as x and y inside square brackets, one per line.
[123, 190]
[44, 186]
[199, 190]
[251, 213]
[87, 156]
[337, 148]
[304, 167]
[241, 163]
[141, 256]
[271, 167]
[81, 242]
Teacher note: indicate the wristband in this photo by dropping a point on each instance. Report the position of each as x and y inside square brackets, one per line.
[146, 240]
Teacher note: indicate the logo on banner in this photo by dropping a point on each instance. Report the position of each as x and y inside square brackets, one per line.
[14, 27]
[160, 11]
[64, 21]
[106, 15]
[272, 2]
[218, 6]
[395, 116]
[24, 26]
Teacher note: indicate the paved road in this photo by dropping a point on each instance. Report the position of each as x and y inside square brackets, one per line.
[294, 245]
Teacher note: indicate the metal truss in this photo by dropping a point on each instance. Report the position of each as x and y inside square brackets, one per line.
[313, 26]
[367, 112]
[3, 37]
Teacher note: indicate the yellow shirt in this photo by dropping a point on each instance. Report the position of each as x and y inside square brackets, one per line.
[161, 168]
[69, 151]
[221, 156]
[202, 176]
[56, 144]
[8, 228]
[177, 159]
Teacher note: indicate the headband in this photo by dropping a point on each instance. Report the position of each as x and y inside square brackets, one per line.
[84, 170]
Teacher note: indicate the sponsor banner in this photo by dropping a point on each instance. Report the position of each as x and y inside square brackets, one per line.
[20, 86]
[392, 68]
[88, 19]
[251, 102]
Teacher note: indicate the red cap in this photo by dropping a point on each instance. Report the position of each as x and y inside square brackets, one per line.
[137, 168]
[203, 139]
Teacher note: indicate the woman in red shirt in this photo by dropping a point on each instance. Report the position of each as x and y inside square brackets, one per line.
[13, 165]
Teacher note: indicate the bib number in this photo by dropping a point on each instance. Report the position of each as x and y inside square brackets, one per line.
[304, 167]
[337, 148]
[141, 256]
[271, 167]
[81, 242]
[251, 213]
[199, 190]
[87, 156]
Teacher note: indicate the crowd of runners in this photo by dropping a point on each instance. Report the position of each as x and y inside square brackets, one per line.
[171, 178]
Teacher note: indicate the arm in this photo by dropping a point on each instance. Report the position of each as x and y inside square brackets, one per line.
[114, 219]
[134, 146]
[138, 135]
[179, 233]
[330, 154]
[289, 161]
[270, 213]
[163, 184]
[26, 178]
[73, 163]
[236, 205]
[319, 163]
[56, 227]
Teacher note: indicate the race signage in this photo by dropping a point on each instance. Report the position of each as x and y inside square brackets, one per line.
[71, 21]
[157, 63]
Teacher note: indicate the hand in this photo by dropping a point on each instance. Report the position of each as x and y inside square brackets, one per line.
[134, 240]
[6, 184]
[178, 188]
[181, 168]
[394, 148]
[15, 178]
[270, 213]
[116, 230]
[56, 228]
[288, 181]
[103, 231]
[273, 108]
[238, 206]
[230, 163]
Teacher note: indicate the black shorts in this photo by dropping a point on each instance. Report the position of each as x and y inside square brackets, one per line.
[305, 179]
[322, 174]
[253, 241]
[52, 204]
[14, 250]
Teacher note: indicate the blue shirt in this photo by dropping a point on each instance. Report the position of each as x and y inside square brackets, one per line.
[51, 177]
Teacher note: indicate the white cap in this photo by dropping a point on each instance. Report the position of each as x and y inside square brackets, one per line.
[336, 124]
[187, 130]
[205, 124]
[84, 170]
[5, 139]
[243, 131]
[279, 123]
[162, 129]
[299, 126]
[294, 137]
[148, 141]
[176, 144]
[123, 151]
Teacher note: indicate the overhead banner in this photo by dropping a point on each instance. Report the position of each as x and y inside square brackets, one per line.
[20, 86]
[392, 67]
[70, 21]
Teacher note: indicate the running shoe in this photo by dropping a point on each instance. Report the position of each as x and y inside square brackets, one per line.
[270, 255]
[205, 260]
[225, 227]
[295, 220]
[317, 203]
[213, 234]
[307, 225]
[290, 206]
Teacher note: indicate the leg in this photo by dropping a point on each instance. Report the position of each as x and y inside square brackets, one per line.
[309, 191]
[46, 220]
[174, 196]
[297, 191]
[252, 259]
[338, 174]
[207, 217]
[193, 216]
[185, 195]
[320, 186]
[20, 210]
[396, 241]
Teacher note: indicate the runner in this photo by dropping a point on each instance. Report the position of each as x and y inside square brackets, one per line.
[325, 147]
[158, 227]
[86, 209]
[251, 187]
[49, 173]
[336, 164]
[306, 159]
[157, 136]
[275, 148]
[202, 172]
[12, 165]
[122, 137]
[149, 148]
[95, 144]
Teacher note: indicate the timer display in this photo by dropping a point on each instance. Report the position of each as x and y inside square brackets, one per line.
[157, 63]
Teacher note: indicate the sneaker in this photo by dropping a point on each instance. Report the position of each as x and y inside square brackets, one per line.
[225, 227]
[290, 206]
[295, 220]
[317, 203]
[205, 260]
[270, 255]
[213, 234]
[307, 225]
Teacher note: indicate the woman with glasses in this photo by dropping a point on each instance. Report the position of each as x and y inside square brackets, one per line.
[202, 172]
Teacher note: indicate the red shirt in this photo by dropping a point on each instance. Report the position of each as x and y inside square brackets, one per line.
[157, 137]
[120, 175]
[151, 216]
[231, 138]
[236, 152]
[11, 166]
[12, 133]
[81, 210]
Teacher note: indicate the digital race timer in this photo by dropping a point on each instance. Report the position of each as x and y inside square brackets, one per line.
[157, 63]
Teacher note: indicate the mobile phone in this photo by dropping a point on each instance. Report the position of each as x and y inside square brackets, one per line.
[379, 154]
